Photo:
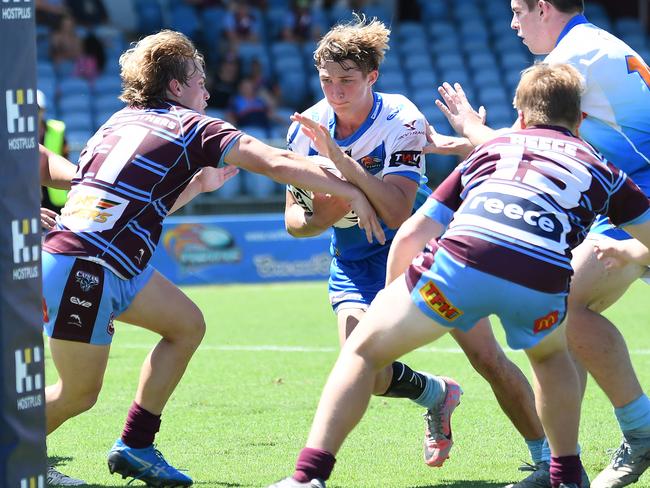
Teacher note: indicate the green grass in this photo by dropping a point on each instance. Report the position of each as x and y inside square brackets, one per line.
[240, 415]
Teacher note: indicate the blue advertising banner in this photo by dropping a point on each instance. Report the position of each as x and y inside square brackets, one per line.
[238, 249]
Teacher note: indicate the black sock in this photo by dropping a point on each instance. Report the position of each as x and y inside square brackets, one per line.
[406, 383]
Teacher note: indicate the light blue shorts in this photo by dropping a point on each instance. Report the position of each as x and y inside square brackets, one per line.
[457, 296]
[355, 284]
[81, 298]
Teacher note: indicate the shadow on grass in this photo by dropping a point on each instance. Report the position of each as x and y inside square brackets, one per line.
[464, 484]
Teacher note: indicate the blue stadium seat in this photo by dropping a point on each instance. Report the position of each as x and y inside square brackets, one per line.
[487, 76]
[479, 60]
[73, 86]
[77, 138]
[628, 25]
[445, 45]
[474, 29]
[78, 121]
[499, 116]
[379, 11]
[491, 95]
[258, 186]
[392, 82]
[422, 78]
[448, 61]
[212, 29]
[411, 30]
[74, 103]
[314, 86]
[107, 103]
[432, 10]
[183, 18]
[424, 99]
[514, 60]
[417, 61]
[440, 29]
[414, 46]
[285, 64]
[150, 16]
[216, 113]
[634, 40]
[45, 70]
[391, 62]
[293, 86]
[108, 85]
[456, 75]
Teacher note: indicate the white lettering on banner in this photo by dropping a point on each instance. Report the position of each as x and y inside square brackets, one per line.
[267, 266]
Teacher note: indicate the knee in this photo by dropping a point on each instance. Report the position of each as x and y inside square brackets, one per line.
[194, 327]
[78, 400]
[490, 364]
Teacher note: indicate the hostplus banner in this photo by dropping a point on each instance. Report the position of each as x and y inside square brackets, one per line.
[22, 397]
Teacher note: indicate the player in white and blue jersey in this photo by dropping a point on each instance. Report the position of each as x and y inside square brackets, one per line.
[146, 161]
[615, 107]
[384, 134]
[514, 210]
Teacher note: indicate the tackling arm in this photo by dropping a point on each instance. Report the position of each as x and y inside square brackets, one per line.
[55, 171]
[410, 239]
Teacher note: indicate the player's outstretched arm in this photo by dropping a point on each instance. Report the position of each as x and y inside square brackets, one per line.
[290, 168]
[410, 239]
[461, 115]
[55, 171]
[392, 196]
[206, 180]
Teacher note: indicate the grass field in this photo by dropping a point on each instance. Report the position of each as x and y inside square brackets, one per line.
[245, 405]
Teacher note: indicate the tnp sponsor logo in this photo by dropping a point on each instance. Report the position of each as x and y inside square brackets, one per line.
[438, 302]
[406, 158]
[26, 238]
[21, 118]
[33, 482]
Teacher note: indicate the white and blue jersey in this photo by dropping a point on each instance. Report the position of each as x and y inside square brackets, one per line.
[389, 142]
[616, 100]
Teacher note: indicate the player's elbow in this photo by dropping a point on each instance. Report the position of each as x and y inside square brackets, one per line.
[395, 219]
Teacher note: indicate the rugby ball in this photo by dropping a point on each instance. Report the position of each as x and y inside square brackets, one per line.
[304, 198]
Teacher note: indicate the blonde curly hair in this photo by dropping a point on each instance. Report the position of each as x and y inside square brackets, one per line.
[149, 66]
[361, 41]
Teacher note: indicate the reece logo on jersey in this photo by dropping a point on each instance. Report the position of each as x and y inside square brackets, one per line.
[516, 212]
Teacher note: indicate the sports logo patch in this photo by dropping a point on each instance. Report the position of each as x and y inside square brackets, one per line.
[87, 281]
[438, 302]
[546, 322]
[406, 158]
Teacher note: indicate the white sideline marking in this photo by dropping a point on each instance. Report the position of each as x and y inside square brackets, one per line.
[271, 348]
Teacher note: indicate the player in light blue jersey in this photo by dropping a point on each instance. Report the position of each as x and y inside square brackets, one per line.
[384, 134]
[615, 106]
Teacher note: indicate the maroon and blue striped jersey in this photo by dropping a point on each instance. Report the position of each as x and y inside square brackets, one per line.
[129, 176]
[519, 203]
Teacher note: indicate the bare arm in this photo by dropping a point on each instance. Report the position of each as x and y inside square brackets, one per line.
[288, 167]
[206, 180]
[410, 239]
[462, 117]
[327, 211]
[55, 171]
[392, 196]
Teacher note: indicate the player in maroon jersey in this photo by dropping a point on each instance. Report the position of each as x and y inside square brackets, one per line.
[146, 161]
[509, 216]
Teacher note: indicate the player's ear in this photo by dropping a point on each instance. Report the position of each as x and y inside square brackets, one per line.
[174, 87]
[520, 119]
[372, 77]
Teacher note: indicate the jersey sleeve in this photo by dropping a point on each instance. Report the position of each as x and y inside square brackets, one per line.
[212, 141]
[445, 200]
[628, 204]
[404, 155]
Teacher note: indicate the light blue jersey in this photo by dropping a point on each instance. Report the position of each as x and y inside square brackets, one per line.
[616, 99]
[389, 142]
